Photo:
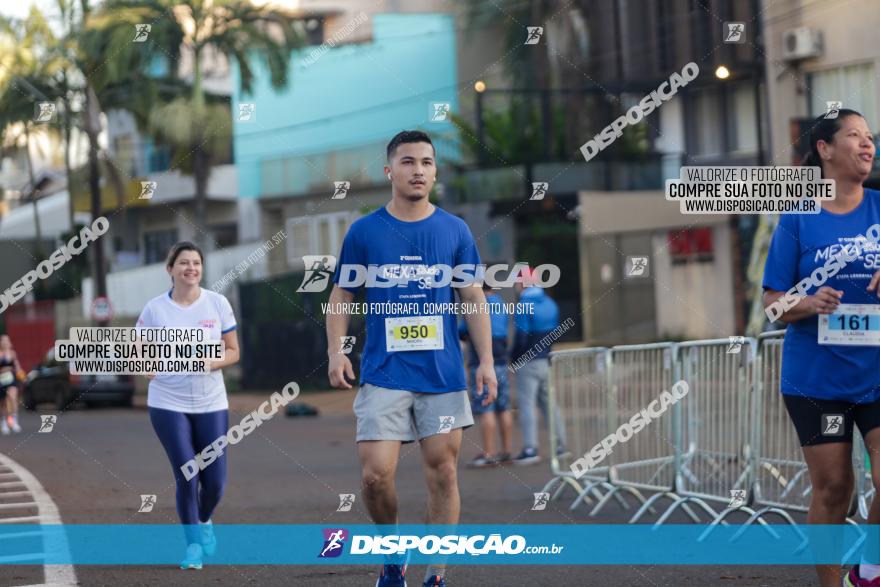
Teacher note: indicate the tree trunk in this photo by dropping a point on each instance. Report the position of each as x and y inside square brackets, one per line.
[201, 164]
[541, 69]
[35, 196]
[67, 127]
[92, 124]
[200, 174]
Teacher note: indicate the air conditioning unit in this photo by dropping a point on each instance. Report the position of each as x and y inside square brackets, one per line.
[801, 43]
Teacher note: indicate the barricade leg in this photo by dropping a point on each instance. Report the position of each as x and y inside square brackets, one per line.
[562, 481]
[727, 512]
[648, 505]
[614, 493]
[584, 497]
[683, 501]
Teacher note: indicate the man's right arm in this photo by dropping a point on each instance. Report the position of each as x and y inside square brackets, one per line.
[337, 327]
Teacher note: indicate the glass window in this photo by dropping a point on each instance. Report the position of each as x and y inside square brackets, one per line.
[854, 85]
[317, 235]
[157, 243]
[707, 123]
[743, 125]
[224, 235]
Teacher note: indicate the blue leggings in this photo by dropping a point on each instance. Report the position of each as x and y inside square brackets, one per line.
[183, 435]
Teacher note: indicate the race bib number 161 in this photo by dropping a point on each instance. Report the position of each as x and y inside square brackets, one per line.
[851, 324]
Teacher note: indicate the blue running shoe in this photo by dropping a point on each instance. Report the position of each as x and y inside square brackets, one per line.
[193, 559]
[392, 576]
[209, 540]
[435, 581]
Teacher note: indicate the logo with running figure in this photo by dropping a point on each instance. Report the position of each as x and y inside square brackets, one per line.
[439, 111]
[541, 501]
[147, 503]
[737, 498]
[832, 425]
[346, 344]
[141, 32]
[539, 190]
[446, 423]
[637, 267]
[247, 112]
[319, 269]
[735, 345]
[832, 108]
[340, 190]
[533, 35]
[334, 542]
[148, 189]
[346, 500]
[47, 423]
[44, 111]
[735, 32]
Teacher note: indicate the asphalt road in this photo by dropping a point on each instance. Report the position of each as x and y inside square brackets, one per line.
[96, 463]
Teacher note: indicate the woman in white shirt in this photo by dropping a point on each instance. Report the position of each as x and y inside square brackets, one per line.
[189, 412]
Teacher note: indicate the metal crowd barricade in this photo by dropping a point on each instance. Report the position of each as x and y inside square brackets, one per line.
[731, 432]
[647, 460]
[578, 388]
[781, 480]
[715, 424]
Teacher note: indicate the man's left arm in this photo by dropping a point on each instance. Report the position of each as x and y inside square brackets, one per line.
[480, 332]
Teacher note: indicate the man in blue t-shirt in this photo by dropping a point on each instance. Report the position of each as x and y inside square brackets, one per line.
[537, 316]
[410, 257]
[495, 416]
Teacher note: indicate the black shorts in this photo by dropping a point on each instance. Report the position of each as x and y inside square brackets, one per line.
[820, 421]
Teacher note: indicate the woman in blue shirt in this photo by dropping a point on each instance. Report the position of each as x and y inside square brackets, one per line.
[829, 387]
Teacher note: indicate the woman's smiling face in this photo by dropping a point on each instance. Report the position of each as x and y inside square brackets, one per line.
[187, 269]
[851, 152]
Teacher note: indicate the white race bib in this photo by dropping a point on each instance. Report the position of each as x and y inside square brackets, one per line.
[7, 378]
[414, 333]
[851, 324]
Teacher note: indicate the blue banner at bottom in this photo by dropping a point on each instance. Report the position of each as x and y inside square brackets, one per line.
[482, 544]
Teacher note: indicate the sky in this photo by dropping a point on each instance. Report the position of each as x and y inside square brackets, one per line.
[20, 8]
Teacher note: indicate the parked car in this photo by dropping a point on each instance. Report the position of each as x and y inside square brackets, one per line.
[51, 381]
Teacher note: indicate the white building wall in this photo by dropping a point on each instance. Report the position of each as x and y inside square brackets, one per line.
[130, 290]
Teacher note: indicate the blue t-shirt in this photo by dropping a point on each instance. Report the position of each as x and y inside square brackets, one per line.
[532, 326]
[498, 319]
[412, 248]
[802, 243]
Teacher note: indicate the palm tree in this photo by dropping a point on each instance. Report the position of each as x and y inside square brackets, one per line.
[232, 29]
[513, 136]
[28, 73]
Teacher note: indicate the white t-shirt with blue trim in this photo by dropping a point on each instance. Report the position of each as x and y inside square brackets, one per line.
[196, 393]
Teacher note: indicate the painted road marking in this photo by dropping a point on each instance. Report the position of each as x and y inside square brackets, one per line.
[46, 513]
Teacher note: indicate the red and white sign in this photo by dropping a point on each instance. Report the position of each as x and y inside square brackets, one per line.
[102, 311]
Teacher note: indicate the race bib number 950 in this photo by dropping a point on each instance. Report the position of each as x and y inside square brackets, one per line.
[851, 324]
[414, 333]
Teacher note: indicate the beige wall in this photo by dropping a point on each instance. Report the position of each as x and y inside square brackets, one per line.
[693, 301]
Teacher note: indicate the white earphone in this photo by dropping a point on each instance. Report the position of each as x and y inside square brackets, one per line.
[389, 176]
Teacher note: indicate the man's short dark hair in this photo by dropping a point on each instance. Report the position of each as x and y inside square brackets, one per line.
[408, 136]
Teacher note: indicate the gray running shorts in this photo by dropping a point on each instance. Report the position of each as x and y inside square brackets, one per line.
[397, 414]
